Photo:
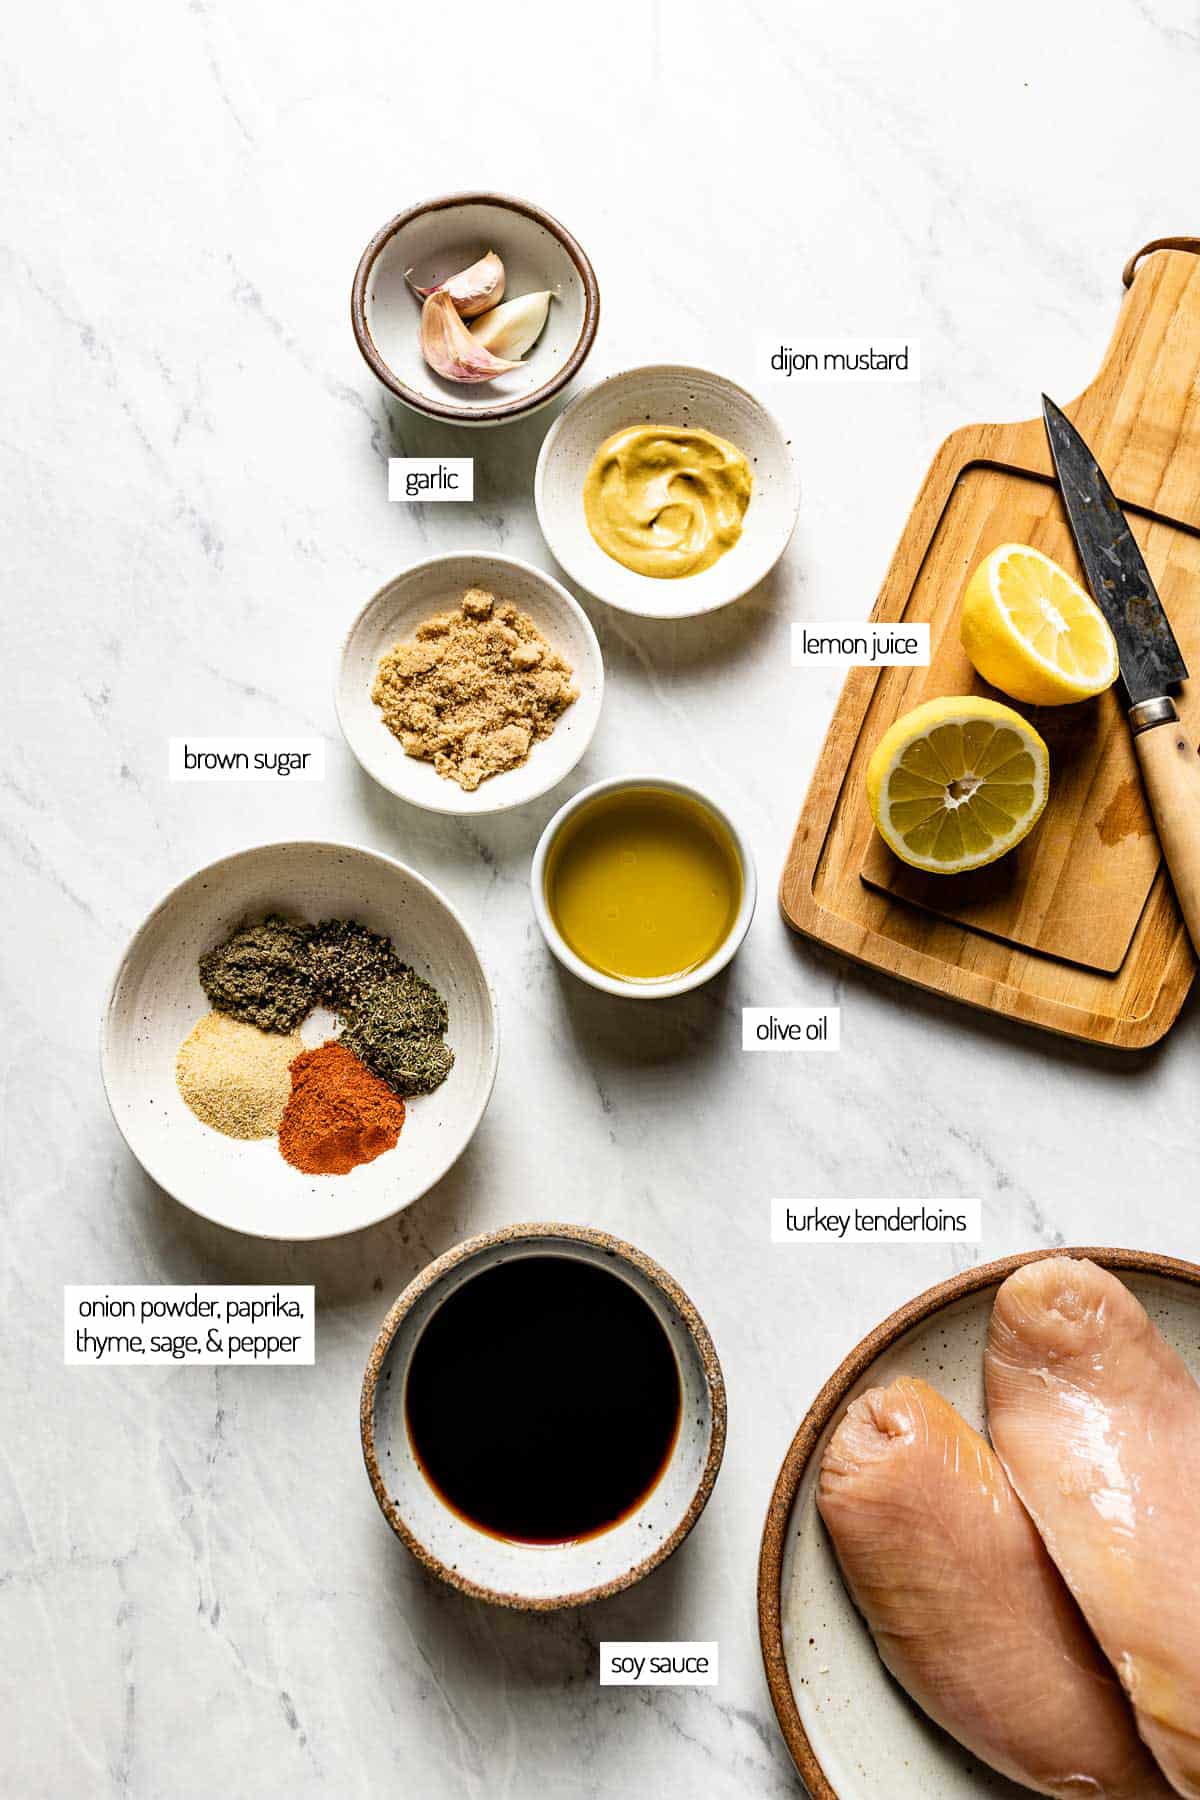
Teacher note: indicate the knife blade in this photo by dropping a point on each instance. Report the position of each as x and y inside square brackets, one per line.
[1151, 663]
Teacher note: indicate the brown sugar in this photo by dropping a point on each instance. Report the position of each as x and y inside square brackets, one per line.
[475, 690]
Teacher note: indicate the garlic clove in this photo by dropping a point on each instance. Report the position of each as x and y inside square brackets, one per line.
[514, 328]
[472, 290]
[449, 348]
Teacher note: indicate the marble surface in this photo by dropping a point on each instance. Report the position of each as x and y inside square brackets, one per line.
[198, 1596]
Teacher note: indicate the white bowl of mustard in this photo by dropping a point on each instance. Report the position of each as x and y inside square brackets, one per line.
[666, 491]
[643, 886]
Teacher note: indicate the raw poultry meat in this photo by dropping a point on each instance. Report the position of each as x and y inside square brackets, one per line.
[965, 1606]
[1097, 1421]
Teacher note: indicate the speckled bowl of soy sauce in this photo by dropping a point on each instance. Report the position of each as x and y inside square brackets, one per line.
[543, 1416]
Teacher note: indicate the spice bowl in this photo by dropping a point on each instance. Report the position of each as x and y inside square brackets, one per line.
[541, 1576]
[739, 909]
[394, 613]
[666, 394]
[156, 999]
[435, 240]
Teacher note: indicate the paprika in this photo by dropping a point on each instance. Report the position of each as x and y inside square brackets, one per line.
[339, 1114]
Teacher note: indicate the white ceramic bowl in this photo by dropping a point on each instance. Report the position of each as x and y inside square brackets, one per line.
[666, 394]
[853, 1732]
[435, 240]
[610, 984]
[156, 999]
[437, 586]
[542, 1577]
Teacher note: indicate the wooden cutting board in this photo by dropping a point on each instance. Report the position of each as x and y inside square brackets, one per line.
[1077, 931]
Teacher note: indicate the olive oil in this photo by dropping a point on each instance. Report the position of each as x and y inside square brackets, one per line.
[543, 1400]
[644, 884]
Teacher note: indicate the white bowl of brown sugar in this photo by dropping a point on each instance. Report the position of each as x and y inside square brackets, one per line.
[470, 684]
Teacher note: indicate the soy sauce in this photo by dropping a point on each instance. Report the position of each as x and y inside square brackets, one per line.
[543, 1400]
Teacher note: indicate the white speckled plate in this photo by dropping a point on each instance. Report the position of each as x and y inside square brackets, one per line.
[156, 999]
[437, 585]
[852, 1731]
[666, 394]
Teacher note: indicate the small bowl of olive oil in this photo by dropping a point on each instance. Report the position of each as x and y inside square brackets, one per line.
[643, 886]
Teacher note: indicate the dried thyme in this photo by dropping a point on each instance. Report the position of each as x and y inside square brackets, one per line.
[410, 1063]
[397, 1032]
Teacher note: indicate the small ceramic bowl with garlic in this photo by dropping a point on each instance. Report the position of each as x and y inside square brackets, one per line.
[474, 309]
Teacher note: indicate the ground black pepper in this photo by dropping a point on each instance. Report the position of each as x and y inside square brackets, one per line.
[347, 960]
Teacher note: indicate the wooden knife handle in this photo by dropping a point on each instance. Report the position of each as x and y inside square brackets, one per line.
[1171, 771]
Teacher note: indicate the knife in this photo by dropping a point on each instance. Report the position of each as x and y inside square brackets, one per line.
[1151, 663]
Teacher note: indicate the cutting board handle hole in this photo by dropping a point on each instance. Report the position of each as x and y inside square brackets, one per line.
[1164, 243]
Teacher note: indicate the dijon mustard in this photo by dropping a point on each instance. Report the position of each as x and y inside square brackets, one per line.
[666, 500]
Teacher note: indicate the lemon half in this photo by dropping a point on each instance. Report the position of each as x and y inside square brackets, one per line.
[956, 783]
[1033, 632]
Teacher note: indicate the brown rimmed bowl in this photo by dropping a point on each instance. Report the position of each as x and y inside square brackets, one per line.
[542, 1577]
[852, 1731]
[434, 240]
